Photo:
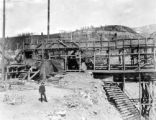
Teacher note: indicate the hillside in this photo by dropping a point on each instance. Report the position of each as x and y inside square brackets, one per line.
[153, 35]
[146, 30]
[108, 32]
[116, 28]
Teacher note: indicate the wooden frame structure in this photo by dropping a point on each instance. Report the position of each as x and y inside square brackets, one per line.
[136, 63]
[127, 59]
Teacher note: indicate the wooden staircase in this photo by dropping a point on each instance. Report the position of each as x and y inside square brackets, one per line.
[121, 101]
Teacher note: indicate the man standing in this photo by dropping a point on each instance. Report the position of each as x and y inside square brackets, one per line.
[42, 92]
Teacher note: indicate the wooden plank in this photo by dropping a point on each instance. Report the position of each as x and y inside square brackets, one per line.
[25, 77]
[127, 108]
[123, 101]
[121, 71]
[126, 105]
[34, 74]
[127, 113]
[131, 116]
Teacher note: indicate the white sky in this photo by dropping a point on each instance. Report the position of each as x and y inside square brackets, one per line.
[31, 15]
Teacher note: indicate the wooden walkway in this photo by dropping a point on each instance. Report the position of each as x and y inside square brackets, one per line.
[121, 101]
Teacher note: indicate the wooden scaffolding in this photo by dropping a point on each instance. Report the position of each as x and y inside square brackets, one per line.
[127, 59]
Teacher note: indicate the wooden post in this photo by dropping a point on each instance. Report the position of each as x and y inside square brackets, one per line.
[79, 43]
[48, 21]
[28, 75]
[115, 44]
[124, 55]
[140, 92]
[140, 87]
[101, 41]
[43, 61]
[88, 37]
[7, 73]
[94, 59]
[145, 57]
[154, 54]
[131, 49]
[153, 112]
[109, 55]
[150, 95]
[139, 60]
[94, 52]
[65, 64]
[3, 43]
[71, 37]
[124, 65]
[123, 82]
[80, 62]
[49, 55]
[23, 45]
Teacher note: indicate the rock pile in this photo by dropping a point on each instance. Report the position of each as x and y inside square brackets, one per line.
[13, 99]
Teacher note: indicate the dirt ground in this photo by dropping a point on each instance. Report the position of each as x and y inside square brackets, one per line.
[74, 96]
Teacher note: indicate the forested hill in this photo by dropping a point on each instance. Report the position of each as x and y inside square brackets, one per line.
[107, 31]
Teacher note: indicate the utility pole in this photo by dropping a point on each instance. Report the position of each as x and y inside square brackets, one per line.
[3, 43]
[48, 31]
[48, 22]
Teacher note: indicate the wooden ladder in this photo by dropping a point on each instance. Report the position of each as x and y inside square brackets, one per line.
[121, 101]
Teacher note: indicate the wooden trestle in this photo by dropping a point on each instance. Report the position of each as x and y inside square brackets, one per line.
[132, 63]
[128, 60]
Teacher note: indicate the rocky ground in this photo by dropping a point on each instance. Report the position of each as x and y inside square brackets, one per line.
[74, 96]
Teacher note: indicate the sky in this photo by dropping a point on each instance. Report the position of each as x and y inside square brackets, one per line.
[30, 16]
